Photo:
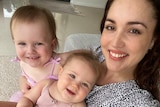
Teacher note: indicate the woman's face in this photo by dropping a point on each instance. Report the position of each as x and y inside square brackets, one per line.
[127, 35]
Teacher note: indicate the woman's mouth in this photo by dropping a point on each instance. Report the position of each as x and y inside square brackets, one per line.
[117, 55]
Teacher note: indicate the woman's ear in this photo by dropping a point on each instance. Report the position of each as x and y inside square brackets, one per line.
[152, 44]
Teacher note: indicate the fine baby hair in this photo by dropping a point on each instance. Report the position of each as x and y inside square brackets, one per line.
[88, 57]
[32, 13]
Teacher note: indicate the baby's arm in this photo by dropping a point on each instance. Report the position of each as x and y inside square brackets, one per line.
[30, 98]
[24, 85]
[25, 102]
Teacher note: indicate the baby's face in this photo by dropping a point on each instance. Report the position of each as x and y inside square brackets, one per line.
[33, 42]
[76, 80]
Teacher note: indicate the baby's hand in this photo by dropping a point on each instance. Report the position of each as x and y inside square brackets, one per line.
[25, 88]
[24, 85]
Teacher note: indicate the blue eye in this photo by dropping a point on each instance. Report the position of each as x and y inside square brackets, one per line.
[72, 76]
[85, 85]
[38, 44]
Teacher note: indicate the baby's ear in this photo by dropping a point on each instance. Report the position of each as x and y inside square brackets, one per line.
[60, 70]
[53, 43]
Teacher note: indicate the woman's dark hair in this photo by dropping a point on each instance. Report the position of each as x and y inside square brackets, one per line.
[147, 73]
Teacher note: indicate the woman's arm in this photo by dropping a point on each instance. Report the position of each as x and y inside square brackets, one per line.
[7, 104]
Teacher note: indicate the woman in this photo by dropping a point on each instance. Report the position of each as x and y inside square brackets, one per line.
[130, 44]
[7, 104]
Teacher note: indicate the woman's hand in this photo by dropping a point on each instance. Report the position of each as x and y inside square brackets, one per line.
[7, 104]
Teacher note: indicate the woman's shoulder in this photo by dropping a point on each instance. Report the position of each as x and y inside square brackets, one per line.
[140, 97]
[124, 94]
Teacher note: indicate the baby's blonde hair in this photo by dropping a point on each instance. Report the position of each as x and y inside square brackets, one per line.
[89, 58]
[31, 13]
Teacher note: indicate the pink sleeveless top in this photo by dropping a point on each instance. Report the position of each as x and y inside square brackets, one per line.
[51, 76]
[45, 100]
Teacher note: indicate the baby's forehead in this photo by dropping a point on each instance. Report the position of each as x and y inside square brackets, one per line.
[81, 63]
[83, 59]
[29, 21]
[37, 24]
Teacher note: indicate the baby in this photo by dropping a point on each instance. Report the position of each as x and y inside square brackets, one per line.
[76, 78]
[33, 31]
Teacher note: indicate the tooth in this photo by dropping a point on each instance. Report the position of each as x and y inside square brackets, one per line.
[117, 55]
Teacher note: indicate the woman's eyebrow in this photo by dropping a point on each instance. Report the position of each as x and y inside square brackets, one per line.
[110, 20]
[129, 23]
[137, 23]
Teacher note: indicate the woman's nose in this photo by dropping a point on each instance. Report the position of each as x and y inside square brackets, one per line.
[118, 40]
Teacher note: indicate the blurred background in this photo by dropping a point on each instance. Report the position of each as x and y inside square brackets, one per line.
[72, 16]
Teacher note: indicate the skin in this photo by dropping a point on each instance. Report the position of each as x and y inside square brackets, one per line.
[72, 86]
[33, 43]
[126, 38]
[73, 77]
[34, 47]
[7, 104]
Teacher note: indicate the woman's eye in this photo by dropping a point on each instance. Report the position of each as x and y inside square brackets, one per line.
[72, 76]
[109, 28]
[135, 31]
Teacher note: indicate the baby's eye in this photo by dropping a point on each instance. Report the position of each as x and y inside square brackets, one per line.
[135, 31]
[22, 43]
[72, 76]
[37, 44]
[85, 85]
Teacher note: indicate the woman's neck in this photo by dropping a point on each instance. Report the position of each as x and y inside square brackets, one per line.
[108, 76]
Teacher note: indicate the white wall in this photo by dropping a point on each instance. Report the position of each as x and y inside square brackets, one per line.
[90, 3]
